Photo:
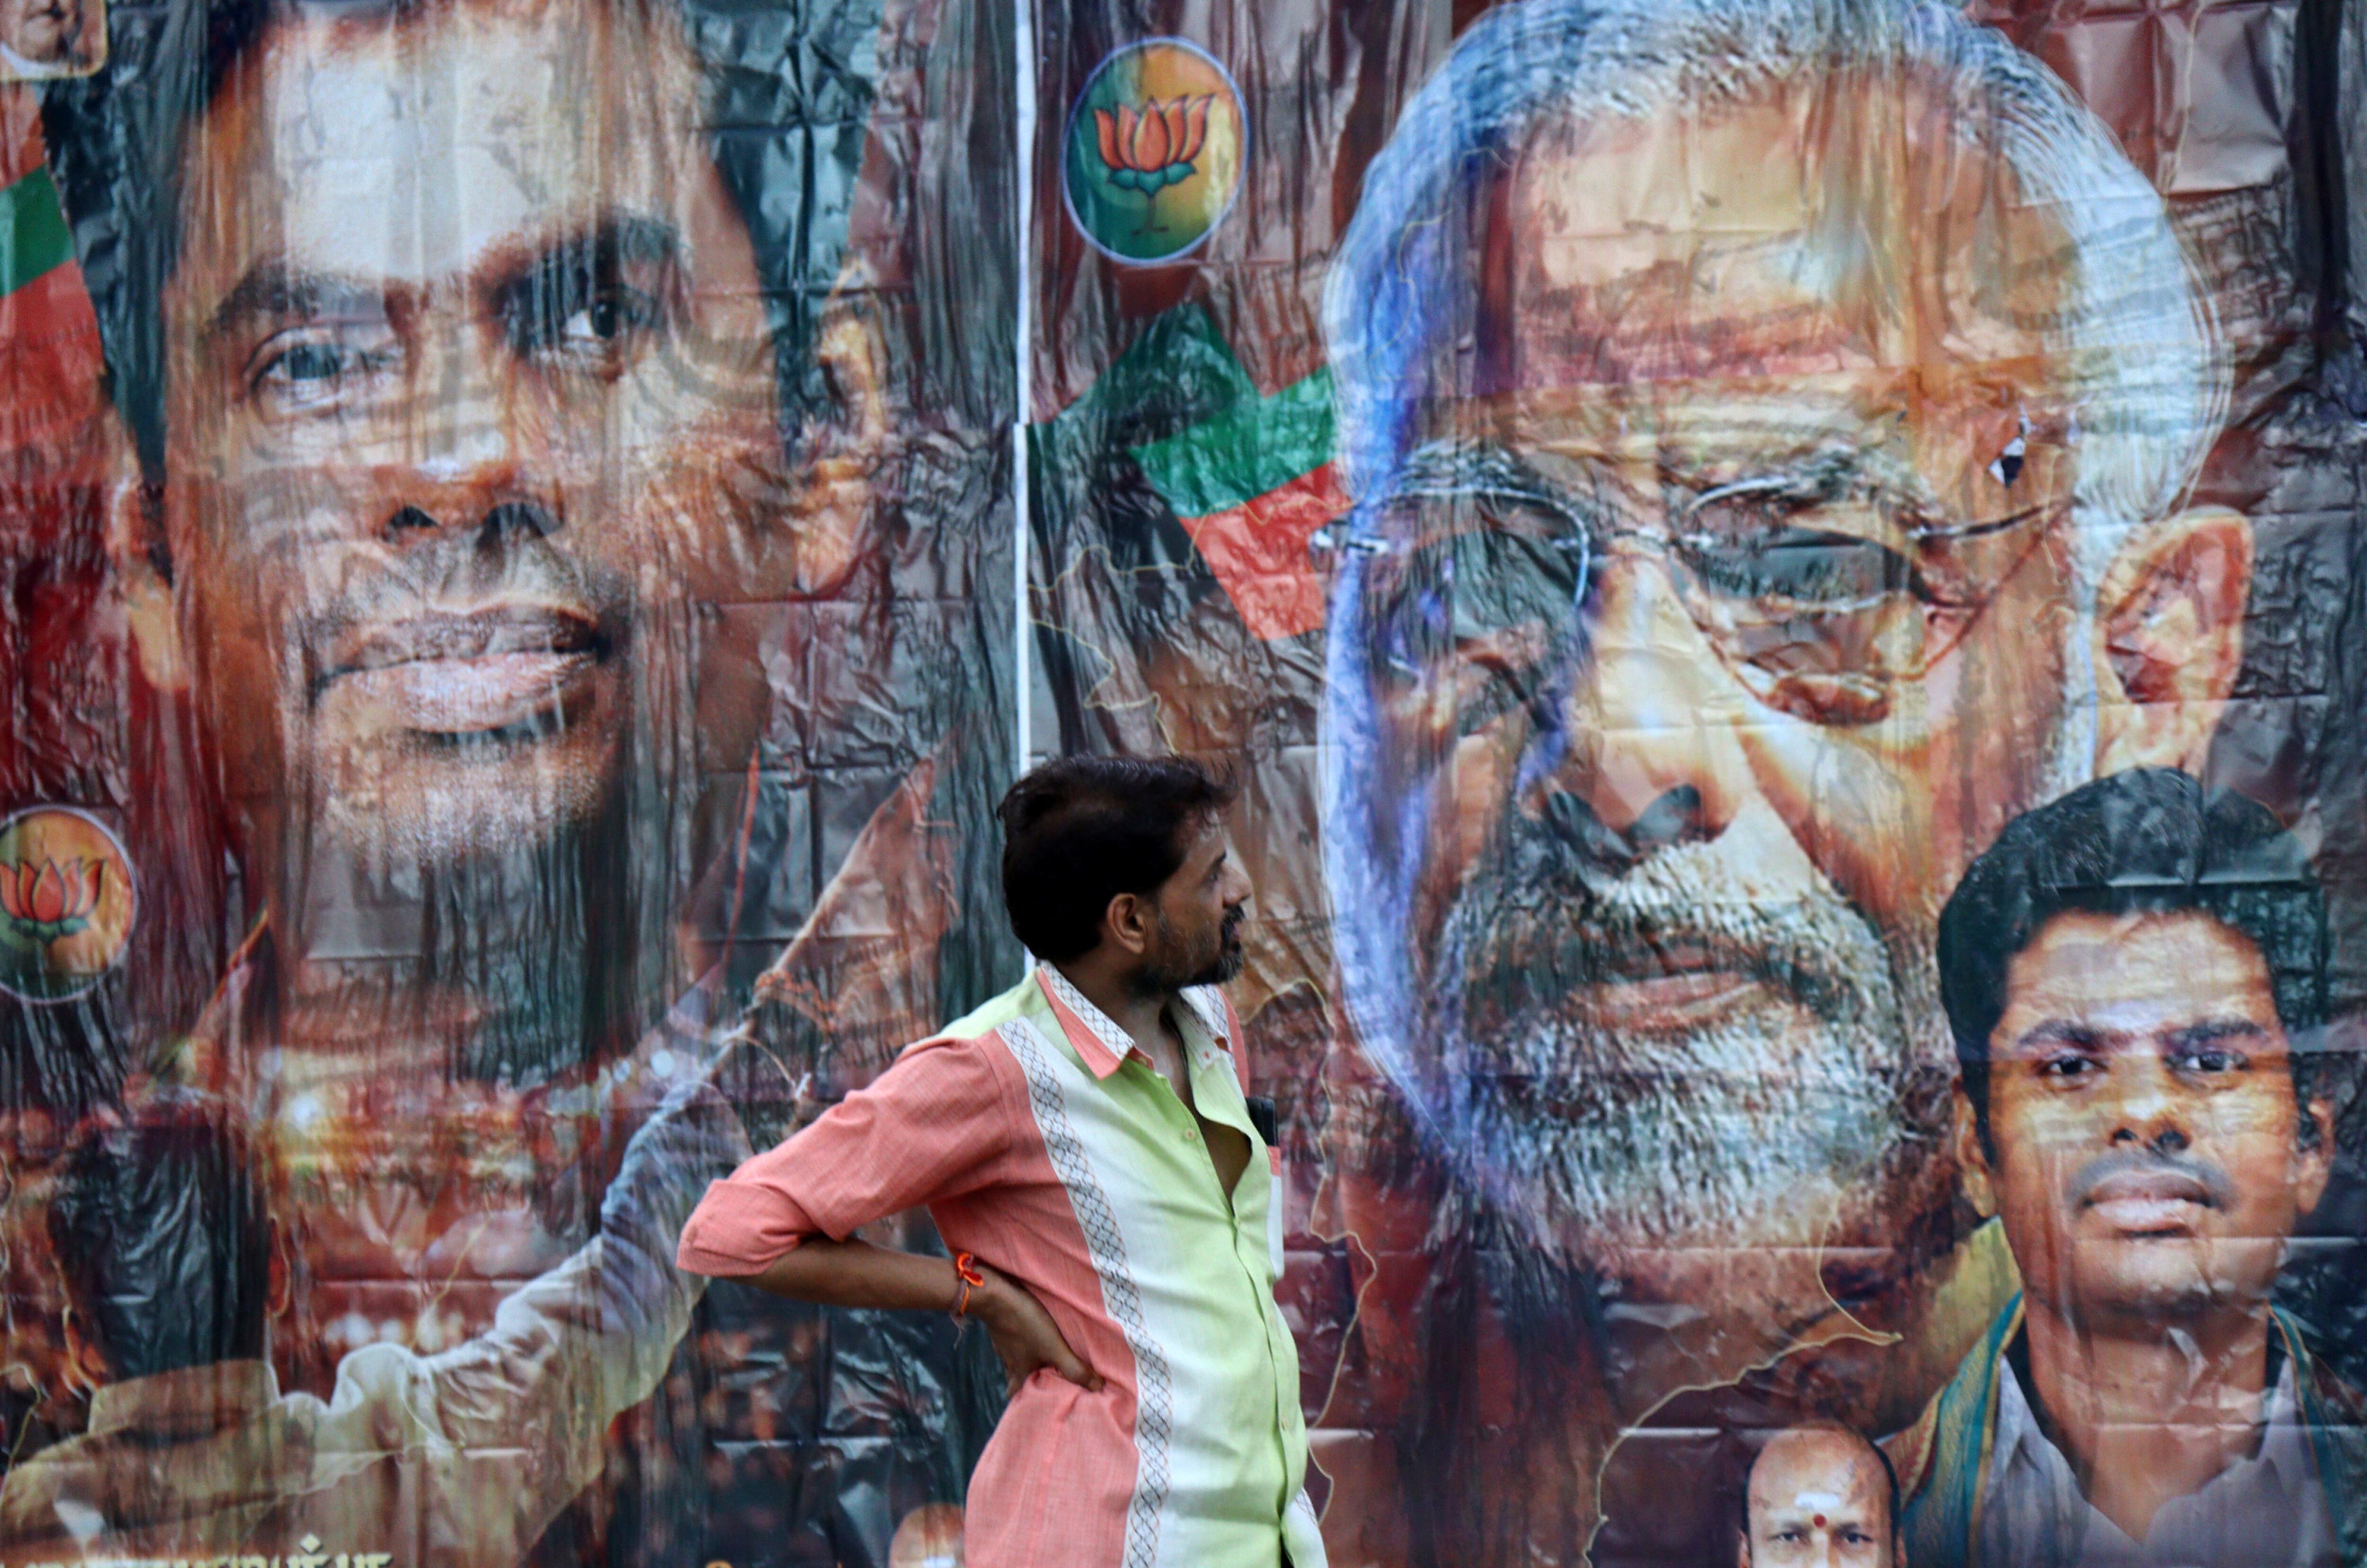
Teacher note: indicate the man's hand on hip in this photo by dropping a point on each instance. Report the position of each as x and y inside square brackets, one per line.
[1023, 1333]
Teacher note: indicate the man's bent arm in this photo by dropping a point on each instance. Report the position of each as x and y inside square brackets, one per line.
[856, 1274]
[935, 1125]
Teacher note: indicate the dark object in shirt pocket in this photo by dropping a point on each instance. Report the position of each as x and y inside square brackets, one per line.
[1261, 1117]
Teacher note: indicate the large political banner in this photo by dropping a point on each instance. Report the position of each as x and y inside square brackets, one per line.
[1783, 580]
[1671, 508]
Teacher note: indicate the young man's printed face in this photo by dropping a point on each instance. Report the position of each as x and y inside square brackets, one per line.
[2149, 1159]
[473, 407]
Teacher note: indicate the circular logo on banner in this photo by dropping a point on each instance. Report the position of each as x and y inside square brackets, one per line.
[1155, 149]
[66, 903]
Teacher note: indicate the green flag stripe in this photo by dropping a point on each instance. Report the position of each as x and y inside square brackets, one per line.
[1260, 447]
[33, 234]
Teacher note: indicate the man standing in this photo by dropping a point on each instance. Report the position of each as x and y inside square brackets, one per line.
[1769, 424]
[1084, 1140]
[1820, 1496]
[2127, 973]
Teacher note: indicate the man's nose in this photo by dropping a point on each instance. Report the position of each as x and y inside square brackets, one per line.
[2149, 1113]
[497, 526]
[463, 438]
[1650, 755]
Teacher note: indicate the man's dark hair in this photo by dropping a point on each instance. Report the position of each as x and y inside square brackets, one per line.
[2146, 842]
[1889, 1474]
[1081, 830]
[162, 1233]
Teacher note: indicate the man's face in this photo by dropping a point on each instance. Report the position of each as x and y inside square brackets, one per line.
[44, 32]
[2146, 1150]
[1818, 1499]
[1198, 917]
[1646, 869]
[471, 408]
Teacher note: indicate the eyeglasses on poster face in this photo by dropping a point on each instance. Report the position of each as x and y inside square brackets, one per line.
[1826, 586]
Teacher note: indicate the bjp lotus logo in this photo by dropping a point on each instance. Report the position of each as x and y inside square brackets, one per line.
[49, 900]
[66, 903]
[1154, 151]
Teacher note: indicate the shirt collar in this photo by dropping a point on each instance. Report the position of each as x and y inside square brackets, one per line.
[1096, 1034]
[2283, 1451]
[187, 1402]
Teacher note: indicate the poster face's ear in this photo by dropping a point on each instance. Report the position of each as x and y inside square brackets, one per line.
[2313, 1161]
[2171, 629]
[141, 556]
[851, 445]
[1972, 1159]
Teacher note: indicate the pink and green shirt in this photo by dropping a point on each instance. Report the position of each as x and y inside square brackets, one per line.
[1042, 1140]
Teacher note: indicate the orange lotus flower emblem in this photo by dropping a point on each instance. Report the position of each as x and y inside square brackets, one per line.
[49, 900]
[1154, 149]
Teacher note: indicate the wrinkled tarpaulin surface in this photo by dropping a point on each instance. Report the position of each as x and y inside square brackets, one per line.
[505, 631]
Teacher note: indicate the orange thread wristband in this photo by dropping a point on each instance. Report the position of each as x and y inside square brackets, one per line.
[966, 1271]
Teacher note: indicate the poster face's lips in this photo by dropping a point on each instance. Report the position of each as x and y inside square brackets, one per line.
[1677, 982]
[465, 673]
[501, 628]
[2148, 1201]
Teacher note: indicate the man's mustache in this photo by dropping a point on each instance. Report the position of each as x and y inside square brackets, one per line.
[493, 561]
[2197, 1180]
[1541, 906]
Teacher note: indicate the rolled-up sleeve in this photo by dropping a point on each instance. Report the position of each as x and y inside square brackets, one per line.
[935, 1125]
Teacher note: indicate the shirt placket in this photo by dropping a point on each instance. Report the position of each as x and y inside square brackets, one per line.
[1201, 1061]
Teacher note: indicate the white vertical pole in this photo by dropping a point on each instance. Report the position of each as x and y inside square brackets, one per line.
[1023, 628]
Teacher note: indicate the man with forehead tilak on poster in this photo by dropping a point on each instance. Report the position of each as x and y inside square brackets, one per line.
[1770, 427]
[492, 551]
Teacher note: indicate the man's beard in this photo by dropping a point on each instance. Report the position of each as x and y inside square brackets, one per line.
[1783, 1109]
[560, 930]
[1175, 967]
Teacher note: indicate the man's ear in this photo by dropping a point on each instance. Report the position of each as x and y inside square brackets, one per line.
[137, 545]
[1972, 1159]
[1128, 921]
[2314, 1161]
[847, 449]
[2169, 625]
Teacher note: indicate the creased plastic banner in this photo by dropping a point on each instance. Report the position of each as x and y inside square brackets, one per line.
[1784, 580]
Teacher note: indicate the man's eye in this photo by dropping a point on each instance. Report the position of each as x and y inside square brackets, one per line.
[586, 318]
[613, 314]
[1801, 570]
[312, 367]
[2211, 1060]
[2067, 1066]
[306, 362]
